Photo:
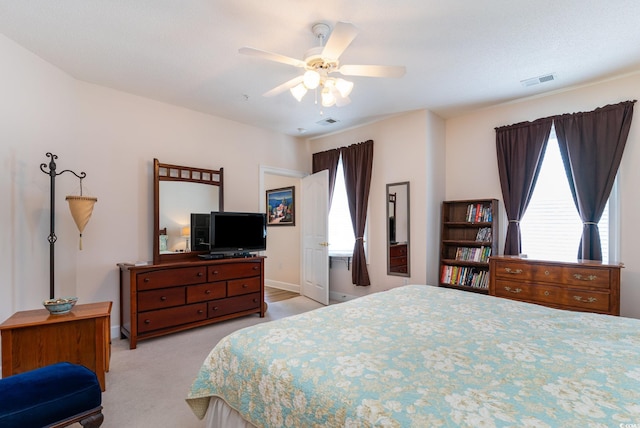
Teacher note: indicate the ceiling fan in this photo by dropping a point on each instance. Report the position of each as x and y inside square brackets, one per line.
[321, 62]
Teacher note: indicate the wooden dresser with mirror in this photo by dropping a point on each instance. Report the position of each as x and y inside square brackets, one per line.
[179, 290]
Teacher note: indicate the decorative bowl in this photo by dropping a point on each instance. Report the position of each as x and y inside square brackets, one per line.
[60, 306]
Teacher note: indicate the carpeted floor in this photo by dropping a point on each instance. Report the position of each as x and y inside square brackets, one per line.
[146, 387]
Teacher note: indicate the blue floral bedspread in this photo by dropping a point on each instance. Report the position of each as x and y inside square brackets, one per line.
[422, 356]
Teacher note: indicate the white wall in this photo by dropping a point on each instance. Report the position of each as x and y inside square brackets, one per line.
[113, 137]
[471, 167]
[410, 148]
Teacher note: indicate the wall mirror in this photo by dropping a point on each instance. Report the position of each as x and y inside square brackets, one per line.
[398, 249]
[180, 191]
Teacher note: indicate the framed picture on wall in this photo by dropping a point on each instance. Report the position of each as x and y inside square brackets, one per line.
[281, 207]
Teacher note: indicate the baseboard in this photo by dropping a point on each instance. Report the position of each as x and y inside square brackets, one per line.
[115, 332]
[282, 285]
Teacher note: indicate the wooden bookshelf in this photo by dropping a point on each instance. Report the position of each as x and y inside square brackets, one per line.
[469, 236]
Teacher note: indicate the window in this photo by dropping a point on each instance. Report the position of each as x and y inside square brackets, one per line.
[551, 227]
[341, 237]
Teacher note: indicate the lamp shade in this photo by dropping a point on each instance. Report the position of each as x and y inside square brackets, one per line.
[298, 91]
[344, 87]
[311, 79]
[328, 99]
[81, 208]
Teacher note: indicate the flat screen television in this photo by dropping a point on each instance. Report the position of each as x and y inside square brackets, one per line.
[237, 233]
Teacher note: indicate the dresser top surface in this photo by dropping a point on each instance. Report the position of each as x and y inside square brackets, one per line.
[42, 316]
[590, 263]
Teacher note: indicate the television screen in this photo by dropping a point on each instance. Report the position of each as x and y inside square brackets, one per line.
[235, 232]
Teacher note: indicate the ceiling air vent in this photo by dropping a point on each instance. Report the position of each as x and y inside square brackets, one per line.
[540, 79]
[327, 121]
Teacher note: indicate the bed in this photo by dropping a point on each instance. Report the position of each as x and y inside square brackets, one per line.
[423, 356]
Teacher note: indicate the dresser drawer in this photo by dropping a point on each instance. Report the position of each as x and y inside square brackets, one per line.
[399, 268]
[233, 270]
[566, 298]
[592, 301]
[237, 287]
[218, 308]
[163, 318]
[513, 271]
[546, 273]
[162, 298]
[208, 291]
[398, 250]
[586, 277]
[170, 277]
[397, 261]
[528, 292]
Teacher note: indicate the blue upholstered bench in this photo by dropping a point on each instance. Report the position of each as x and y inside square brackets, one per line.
[57, 395]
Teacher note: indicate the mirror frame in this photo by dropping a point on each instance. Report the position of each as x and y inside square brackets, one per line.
[387, 201]
[186, 174]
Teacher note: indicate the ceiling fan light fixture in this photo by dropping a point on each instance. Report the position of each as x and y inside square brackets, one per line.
[344, 87]
[328, 99]
[298, 91]
[311, 79]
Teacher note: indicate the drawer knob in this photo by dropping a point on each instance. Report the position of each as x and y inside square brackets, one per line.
[585, 277]
[147, 321]
[513, 290]
[585, 300]
[163, 298]
[513, 271]
[207, 292]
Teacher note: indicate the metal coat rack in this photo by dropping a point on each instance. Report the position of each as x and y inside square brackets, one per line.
[51, 172]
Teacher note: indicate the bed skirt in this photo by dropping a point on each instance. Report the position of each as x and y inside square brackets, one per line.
[221, 415]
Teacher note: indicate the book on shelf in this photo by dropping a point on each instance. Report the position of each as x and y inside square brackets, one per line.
[464, 276]
[484, 234]
[475, 254]
[478, 213]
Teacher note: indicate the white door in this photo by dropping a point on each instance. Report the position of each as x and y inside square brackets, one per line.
[315, 245]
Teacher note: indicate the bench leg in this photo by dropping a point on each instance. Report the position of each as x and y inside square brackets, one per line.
[93, 421]
[90, 419]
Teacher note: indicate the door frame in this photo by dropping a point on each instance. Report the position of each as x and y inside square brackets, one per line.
[283, 172]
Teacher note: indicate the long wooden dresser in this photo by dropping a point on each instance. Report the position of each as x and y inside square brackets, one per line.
[587, 286]
[164, 298]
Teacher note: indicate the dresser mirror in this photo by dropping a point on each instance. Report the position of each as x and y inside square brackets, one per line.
[180, 191]
[398, 249]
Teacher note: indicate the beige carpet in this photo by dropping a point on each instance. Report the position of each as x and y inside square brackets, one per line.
[146, 387]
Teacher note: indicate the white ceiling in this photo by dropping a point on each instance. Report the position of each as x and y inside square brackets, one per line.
[459, 54]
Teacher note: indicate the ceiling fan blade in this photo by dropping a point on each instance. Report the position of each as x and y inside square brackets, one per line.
[373, 70]
[271, 56]
[341, 37]
[286, 85]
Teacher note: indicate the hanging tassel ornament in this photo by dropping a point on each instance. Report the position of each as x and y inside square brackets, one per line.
[81, 208]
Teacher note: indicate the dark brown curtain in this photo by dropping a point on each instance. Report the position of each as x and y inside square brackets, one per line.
[591, 145]
[357, 161]
[520, 149]
[327, 160]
